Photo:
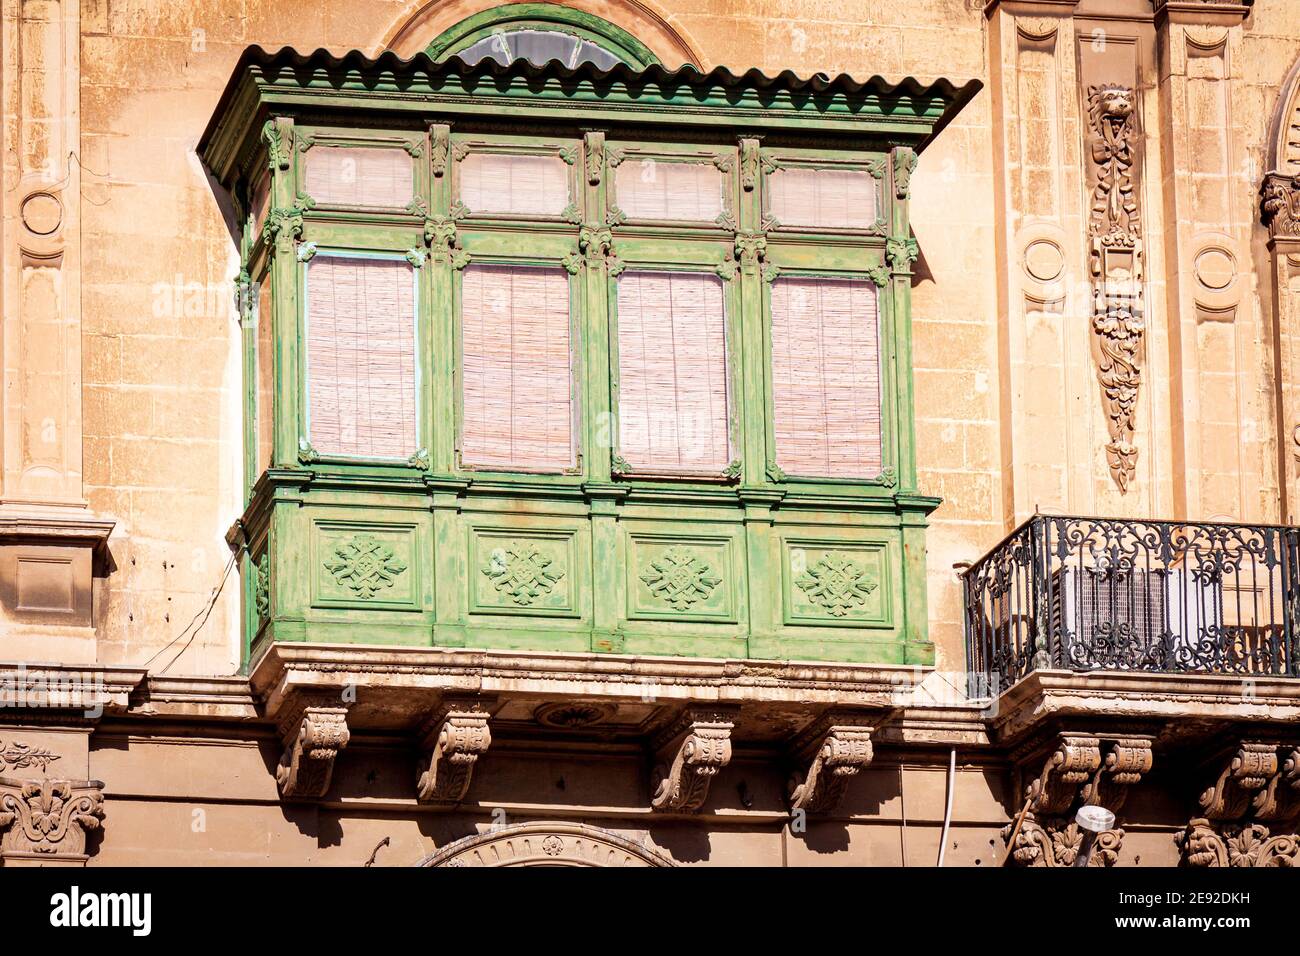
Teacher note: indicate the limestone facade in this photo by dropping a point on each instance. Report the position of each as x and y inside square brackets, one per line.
[131, 727]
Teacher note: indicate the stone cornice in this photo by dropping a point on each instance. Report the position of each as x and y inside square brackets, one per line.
[1202, 703]
[1213, 12]
[42, 693]
[60, 529]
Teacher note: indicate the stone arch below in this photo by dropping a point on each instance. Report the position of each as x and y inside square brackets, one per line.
[432, 18]
[546, 843]
[1284, 141]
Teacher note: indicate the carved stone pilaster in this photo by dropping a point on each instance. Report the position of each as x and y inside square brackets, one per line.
[314, 732]
[840, 746]
[1083, 770]
[689, 753]
[48, 819]
[1249, 815]
[454, 738]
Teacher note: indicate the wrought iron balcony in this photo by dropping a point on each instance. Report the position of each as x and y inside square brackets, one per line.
[1088, 594]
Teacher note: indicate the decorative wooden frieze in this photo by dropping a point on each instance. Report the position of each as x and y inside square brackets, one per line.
[48, 818]
[364, 565]
[689, 753]
[1248, 816]
[1280, 205]
[522, 572]
[453, 740]
[1115, 257]
[1083, 770]
[679, 578]
[840, 745]
[314, 731]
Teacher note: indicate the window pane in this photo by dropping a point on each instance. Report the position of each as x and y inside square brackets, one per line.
[649, 189]
[822, 198]
[672, 369]
[538, 47]
[265, 354]
[360, 176]
[518, 404]
[361, 356]
[522, 185]
[826, 377]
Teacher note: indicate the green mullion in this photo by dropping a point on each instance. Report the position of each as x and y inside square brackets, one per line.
[901, 249]
[284, 226]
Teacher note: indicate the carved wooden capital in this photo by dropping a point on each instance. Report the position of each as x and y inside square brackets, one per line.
[314, 732]
[841, 747]
[690, 753]
[48, 818]
[454, 740]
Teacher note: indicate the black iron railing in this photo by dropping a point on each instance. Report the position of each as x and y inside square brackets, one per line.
[1129, 595]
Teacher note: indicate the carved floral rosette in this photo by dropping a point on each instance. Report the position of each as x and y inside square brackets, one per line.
[48, 818]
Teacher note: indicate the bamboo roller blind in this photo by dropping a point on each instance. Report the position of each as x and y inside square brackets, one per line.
[822, 198]
[520, 185]
[517, 400]
[672, 369]
[360, 176]
[361, 356]
[826, 377]
[651, 189]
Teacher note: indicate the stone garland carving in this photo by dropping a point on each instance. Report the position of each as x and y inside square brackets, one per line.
[1115, 255]
[690, 754]
[522, 573]
[679, 578]
[457, 736]
[1077, 774]
[1280, 205]
[836, 584]
[314, 734]
[842, 747]
[364, 565]
[1254, 794]
[20, 756]
[49, 817]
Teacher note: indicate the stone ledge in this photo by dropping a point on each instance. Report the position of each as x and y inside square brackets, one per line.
[47, 692]
[1198, 705]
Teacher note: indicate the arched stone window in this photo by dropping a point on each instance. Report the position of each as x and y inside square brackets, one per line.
[546, 843]
[539, 33]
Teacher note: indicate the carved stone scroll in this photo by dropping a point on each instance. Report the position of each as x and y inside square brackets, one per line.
[314, 732]
[48, 819]
[1115, 259]
[1280, 205]
[454, 739]
[1083, 770]
[690, 753]
[840, 746]
[1249, 815]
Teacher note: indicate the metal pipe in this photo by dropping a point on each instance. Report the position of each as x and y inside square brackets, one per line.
[947, 810]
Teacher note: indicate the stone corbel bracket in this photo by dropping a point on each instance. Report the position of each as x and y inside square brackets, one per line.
[314, 731]
[688, 755]
[453, 739]
[46, 821]
[1082, 770]
[1256, 792]
[835, 749]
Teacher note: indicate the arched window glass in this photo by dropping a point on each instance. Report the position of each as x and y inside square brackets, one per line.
[539, 47]
[540, 33]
